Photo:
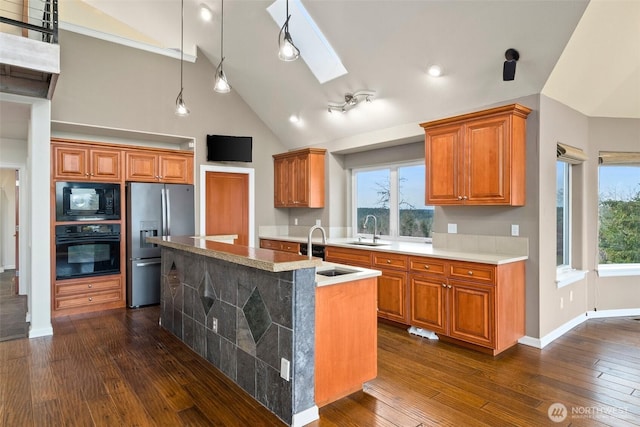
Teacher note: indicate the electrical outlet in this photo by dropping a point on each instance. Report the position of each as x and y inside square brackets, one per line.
[295, 221]
[318, 222]
[515, 230]
[284, 369]
[561, 303]
[215, 325]
[570, 296]
[452, 228]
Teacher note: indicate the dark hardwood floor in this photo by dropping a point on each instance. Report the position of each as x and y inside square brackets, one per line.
[13, 309]
[119, 368]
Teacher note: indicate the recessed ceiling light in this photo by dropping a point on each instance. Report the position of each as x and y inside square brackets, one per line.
[205, 12]
[435, 71]
[294, 119]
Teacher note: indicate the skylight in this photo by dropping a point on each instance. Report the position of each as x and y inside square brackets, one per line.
[315, 49]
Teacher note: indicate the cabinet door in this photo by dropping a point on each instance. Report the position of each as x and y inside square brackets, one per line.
[70, 163]
[487, 159]
[301, 180]
[357, 257]
[472, 313]
[444, 177]
[176, 169]
[142, 167]
[429, 303]
[392, 296]
[105, 165]
[280, 189]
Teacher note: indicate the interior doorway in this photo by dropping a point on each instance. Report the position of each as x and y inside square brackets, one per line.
[9, 222]
[227, 205]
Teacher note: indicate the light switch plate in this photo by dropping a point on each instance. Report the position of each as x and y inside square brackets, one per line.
[515, 230]
[318, 222]
[452, 228]
[284, 369]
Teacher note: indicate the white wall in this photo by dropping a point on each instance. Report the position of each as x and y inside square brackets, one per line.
[7, 218]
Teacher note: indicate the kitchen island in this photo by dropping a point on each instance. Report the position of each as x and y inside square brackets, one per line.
[268, 322]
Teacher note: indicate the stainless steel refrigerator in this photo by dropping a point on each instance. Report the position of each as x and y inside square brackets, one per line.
[153, 210]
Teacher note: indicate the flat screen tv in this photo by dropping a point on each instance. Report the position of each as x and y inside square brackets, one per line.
[225, 148]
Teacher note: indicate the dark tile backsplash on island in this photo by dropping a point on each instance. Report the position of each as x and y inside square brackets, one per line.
[261, 317]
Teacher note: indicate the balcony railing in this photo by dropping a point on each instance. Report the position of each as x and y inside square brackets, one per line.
[36, 18]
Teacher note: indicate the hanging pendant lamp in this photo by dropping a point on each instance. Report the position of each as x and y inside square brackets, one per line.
[181, 107]
[221, 85]
[287, 51]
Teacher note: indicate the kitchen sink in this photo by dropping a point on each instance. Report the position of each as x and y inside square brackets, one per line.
[365, 243]
[335, 271]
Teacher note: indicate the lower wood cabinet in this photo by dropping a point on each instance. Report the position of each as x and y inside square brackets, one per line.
[429, 303]
[88, 294]
[392, 296]
[280, 245]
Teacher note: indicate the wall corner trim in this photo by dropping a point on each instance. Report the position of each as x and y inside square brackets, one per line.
[305, 417]
[41, 332]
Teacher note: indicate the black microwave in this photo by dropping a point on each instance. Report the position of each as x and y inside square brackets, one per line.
[87, 201]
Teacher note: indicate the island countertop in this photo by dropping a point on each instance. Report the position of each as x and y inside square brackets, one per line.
[263, 259]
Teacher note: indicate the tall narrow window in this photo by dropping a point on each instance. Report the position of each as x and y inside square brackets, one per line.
[373, 197]
[619, 212]
[563, 228]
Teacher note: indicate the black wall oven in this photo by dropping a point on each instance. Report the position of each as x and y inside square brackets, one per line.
[84, 250]
[87, 201]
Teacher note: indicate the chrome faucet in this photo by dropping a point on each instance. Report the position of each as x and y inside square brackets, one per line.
[375, 226]
[324, 238]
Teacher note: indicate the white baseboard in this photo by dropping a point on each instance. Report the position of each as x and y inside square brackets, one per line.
[563, 329]
[305, 417]
[623, 312]
[7, 267]
[42, 332]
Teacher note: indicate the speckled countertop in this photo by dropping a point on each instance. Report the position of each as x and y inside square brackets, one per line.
[419, 249]
[263, 259]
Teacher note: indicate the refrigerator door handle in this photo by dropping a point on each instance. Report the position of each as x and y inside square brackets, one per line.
[163, 209]
[168, 213]
[146, 264]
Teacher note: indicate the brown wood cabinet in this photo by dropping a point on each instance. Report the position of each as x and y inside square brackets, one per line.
[88, 294]
[154, 166]
[474, 304]
[280, 245]
[82, 163]
[299, 179]
[477, 158]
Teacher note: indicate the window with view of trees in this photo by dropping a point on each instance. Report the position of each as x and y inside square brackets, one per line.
[563, 220]
[395, 196]
[619, 210]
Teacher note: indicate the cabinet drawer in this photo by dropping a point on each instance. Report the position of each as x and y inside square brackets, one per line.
[347, 256]
[88, 299]
[472, 271]
[270, 244]
[390, 260]
[278, 245]
[87, 286]
[290, 247]
[427, 265]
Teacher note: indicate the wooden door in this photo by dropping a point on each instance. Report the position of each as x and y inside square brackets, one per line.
[429, 303]
[227, 205]
[70, 163]
[301, 180]
[392, 296]
[280, 191]
[176, 169]
[141, 166]
[487, 143]
[443, 166]
[472, 313]
[105, 165]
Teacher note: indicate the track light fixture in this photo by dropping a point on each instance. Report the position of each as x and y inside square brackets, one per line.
[221, 85]
[181, 107]
[287, 51]
[351, 100]
[509, 68]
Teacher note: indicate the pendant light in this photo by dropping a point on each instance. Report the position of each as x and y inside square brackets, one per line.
[287, 51]
[221, 85]
[181, 108]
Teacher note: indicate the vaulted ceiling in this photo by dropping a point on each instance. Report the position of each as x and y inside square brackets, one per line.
[585, 55]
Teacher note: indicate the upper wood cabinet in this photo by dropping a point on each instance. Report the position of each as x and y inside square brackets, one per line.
[299, 179]
[151, 166]
[86, 163]
[477, 158]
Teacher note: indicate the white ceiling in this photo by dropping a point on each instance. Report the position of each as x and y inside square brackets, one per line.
[387, 46]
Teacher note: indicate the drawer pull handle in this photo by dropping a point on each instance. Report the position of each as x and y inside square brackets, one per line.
[90, 286]
[449, 286]
[388, 261]
[90, 299]
[444, 285]
[470, 273]
[426, 267]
